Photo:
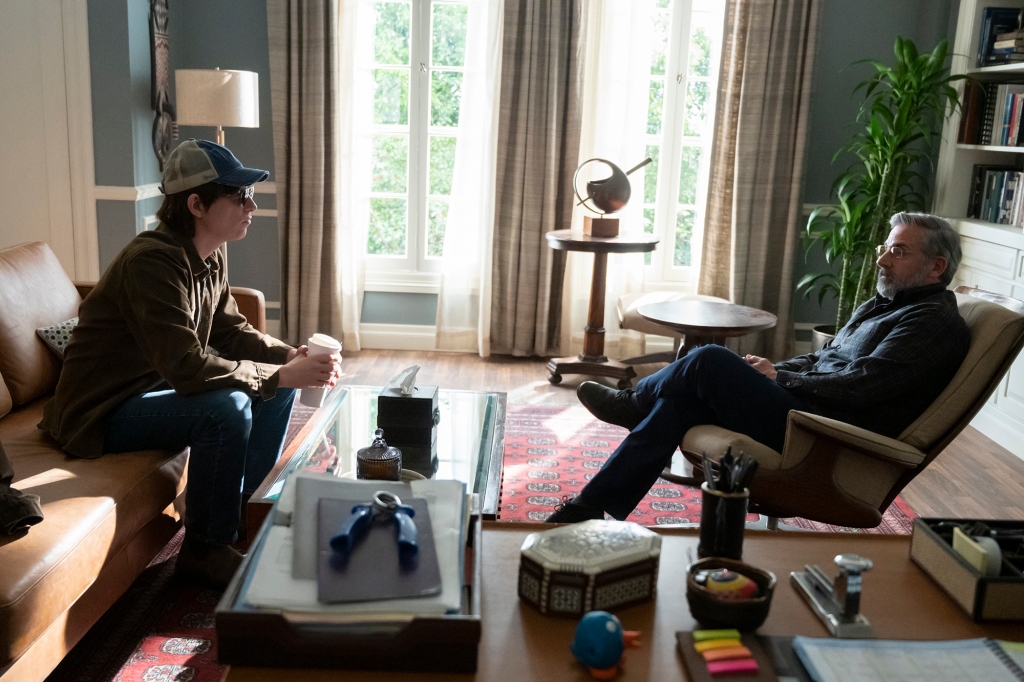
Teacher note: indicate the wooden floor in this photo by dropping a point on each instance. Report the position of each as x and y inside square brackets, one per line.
[972, 478]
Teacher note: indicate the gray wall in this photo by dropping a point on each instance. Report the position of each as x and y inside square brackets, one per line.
[849, 31]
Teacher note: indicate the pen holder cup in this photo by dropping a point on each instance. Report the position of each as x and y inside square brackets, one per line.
[722, 516]
[716, 611]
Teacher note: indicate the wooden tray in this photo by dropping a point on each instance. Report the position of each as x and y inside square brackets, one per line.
[247, 636]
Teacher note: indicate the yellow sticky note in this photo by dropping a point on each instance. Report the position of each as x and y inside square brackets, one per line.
[715, 644]
[704, 635]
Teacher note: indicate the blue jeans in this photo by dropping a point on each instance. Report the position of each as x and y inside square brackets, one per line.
[711, 385]
[234, 438]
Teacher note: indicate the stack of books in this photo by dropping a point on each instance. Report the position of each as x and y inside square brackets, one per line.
[997, 41]
[997, 195]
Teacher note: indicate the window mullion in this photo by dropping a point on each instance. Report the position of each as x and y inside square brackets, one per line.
[672, 140]
[418, 141]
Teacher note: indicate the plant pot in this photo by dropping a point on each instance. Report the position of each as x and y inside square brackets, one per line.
[821, 335]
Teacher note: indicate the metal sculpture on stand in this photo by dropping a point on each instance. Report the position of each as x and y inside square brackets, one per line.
[160, 84]
[607, 195]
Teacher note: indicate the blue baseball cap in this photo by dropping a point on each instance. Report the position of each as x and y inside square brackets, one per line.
[197, 162]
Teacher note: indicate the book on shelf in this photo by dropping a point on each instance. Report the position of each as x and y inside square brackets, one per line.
[985, 136]
[972, 113]
[997, 194]
[1012, 35]
[1011, 45]
[995, 21]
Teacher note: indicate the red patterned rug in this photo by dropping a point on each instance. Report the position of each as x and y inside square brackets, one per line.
[552, 451]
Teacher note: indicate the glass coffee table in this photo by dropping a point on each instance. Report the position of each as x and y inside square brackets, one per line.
[470, 444]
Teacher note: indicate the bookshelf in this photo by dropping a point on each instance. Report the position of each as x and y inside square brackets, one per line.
[993, 253]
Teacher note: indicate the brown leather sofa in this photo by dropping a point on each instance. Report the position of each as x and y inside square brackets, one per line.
[104, 519]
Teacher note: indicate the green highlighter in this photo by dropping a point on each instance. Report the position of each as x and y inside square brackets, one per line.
[703, 635]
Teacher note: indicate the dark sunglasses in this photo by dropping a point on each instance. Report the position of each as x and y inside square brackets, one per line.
[244, 194]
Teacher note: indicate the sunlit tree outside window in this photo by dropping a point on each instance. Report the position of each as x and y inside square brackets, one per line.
[683, 77]
[418, 62]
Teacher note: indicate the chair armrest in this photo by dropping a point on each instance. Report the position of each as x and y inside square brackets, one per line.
[833, 472]
[84, 288]
[251, 303]
[805, 427]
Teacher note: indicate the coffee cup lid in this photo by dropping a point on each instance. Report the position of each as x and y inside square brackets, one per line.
[324, 340]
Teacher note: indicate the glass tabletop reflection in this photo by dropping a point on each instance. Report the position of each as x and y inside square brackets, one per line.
[470, 439]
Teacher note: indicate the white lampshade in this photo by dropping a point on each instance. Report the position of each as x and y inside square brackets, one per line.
[212, 97]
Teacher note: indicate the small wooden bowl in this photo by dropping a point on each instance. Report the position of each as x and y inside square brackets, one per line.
[715, 612]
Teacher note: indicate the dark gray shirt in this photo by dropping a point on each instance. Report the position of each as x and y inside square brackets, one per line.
[888, 364]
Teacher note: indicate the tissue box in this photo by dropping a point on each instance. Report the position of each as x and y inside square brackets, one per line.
[601, 565]
[410, 424]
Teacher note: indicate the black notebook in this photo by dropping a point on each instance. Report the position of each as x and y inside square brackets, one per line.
[371, 570]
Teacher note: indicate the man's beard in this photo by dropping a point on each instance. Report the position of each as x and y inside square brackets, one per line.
[889, 285]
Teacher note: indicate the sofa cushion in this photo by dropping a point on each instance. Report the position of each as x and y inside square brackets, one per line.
[91, 509]
[994, 331]
[34, 293]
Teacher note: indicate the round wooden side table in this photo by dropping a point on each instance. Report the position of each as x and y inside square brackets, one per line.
[704, 322]
[592, 360]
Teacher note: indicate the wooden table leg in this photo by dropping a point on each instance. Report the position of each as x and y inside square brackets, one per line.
[593, 360]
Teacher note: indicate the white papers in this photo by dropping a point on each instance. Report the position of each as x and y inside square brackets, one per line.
[275, 585]
[846, 660]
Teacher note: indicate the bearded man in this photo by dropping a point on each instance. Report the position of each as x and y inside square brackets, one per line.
[881, 371]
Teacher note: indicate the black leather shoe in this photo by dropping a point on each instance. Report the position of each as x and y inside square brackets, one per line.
[608, 405]
[212, 565]
[571, 511]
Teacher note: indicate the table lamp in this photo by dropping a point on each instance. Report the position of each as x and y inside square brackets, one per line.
[215, 97]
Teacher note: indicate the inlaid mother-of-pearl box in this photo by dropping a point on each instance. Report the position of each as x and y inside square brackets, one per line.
[594, 565]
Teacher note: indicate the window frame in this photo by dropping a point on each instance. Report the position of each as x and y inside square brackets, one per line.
[421, 271]
[662, 268]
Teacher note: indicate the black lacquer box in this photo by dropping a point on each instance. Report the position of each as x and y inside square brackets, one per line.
[410, 424]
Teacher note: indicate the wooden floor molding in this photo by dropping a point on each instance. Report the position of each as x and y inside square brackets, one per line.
[972, 478]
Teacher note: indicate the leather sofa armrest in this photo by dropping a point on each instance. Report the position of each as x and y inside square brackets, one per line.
[253, 305]
[84, 288]
[804, 428]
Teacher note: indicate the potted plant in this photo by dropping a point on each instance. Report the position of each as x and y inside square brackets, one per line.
[898, 121]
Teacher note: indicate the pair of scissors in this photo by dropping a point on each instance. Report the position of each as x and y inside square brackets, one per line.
[383, 506]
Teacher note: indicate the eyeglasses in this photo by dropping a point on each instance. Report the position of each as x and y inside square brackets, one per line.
[898, 252]
[245, 194]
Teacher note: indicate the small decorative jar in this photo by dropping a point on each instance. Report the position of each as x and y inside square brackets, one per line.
[379, 461]
[594, 565]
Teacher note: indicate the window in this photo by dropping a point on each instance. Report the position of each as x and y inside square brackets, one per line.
[680, 113]
[419, 50]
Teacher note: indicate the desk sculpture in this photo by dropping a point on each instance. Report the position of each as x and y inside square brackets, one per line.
[607, 195]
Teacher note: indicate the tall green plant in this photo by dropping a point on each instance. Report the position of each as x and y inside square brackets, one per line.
[898, 121]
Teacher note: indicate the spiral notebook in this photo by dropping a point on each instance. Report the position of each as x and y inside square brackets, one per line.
[867, 660]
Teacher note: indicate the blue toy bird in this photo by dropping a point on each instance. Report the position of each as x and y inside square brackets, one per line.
[600, 642]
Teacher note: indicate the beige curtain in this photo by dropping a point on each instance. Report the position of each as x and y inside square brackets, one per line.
[751, 229]
[304, 66]
[538, 150]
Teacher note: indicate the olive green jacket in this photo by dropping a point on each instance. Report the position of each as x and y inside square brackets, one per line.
[152, 318]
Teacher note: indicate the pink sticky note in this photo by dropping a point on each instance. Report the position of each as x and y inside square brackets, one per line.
[746, 665]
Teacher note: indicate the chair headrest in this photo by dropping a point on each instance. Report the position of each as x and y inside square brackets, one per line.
[996, 332]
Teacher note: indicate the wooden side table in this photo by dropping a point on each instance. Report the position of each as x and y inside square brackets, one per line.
[704, 322]
[592, 360]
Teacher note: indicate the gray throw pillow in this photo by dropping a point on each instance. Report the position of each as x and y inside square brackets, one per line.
[57, 336]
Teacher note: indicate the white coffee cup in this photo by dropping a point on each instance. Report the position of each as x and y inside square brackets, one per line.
[319, 344]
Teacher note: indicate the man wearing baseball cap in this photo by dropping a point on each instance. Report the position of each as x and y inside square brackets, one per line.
[162, 359]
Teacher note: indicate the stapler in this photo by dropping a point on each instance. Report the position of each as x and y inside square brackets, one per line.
[836, 602]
